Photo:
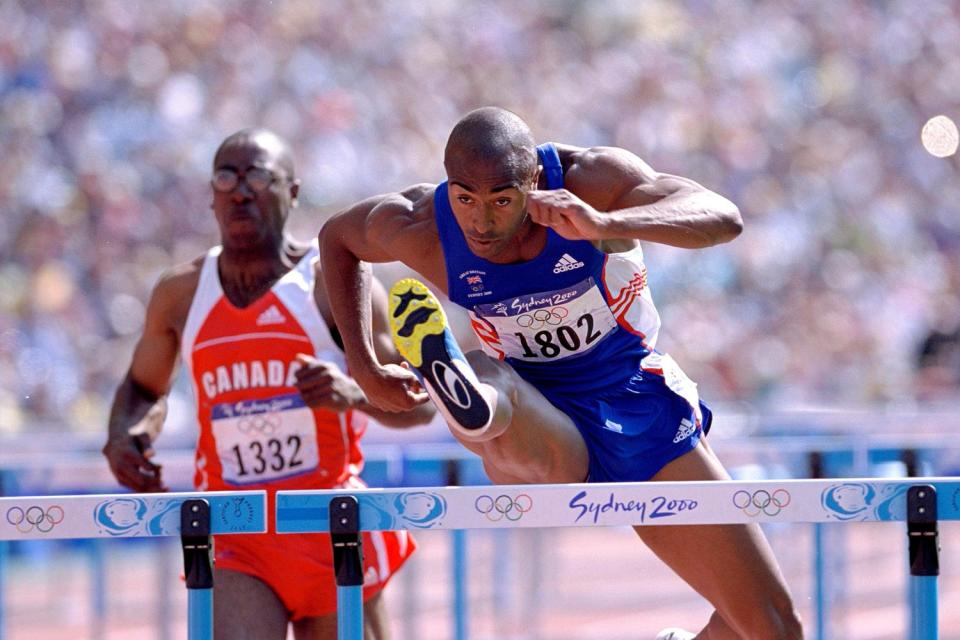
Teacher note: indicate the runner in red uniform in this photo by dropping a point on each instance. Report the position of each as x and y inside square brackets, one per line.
[275, 408]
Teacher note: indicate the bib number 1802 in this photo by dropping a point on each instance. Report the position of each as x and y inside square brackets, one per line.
[550, 343]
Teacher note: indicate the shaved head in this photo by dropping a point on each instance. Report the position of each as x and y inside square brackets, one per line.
[257, 138]
[492, 137]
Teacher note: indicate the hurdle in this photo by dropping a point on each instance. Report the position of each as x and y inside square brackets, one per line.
[919, 502]
[192, 516]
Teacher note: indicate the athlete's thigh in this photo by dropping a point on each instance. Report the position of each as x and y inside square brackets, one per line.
[325, 627]
[245, 608]
[542, 443]
[732, 566]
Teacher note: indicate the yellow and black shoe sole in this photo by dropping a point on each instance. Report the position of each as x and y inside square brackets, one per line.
[419, 329]
[415, 313]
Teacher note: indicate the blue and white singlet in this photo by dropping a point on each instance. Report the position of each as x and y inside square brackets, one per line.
[572, 321]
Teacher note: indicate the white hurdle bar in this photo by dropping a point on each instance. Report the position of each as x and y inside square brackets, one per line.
[921, 502]
[192, 516]
[127, 515]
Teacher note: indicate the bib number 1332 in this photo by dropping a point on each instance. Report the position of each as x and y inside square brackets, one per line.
[265, 439]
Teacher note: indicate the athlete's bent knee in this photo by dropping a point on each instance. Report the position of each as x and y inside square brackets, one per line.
[487, 369]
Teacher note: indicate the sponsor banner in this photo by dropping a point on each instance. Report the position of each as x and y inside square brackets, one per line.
[126, 515]
[619, 504]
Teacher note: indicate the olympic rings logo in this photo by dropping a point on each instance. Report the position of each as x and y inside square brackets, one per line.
[35, 518]
[761, 500]
[503, 506]
[263, 423]
[541, 317]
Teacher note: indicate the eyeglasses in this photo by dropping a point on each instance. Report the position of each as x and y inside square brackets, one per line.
[257, 178]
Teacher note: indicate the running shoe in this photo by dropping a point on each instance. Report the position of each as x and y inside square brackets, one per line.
[421, 333]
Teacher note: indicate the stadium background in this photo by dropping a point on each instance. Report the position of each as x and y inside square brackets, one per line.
[841, 297]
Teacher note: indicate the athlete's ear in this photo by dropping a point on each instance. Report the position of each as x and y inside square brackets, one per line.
[536, 175]
[294, 191]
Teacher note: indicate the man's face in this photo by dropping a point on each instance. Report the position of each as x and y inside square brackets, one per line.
[252, 195]
[489, 204]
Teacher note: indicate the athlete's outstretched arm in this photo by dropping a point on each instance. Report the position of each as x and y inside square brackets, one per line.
[612, 194]
[139, 406]
[370, 231]
[323, 384]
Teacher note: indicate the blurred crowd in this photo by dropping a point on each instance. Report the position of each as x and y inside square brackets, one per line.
[843, 289]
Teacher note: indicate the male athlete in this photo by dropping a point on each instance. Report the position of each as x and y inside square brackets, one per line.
[541, 246]
[276, 409]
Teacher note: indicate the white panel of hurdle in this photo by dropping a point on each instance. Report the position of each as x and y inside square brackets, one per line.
[192, 516]
[920, 502]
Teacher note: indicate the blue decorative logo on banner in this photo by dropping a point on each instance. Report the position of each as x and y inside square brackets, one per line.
[136, 517]
[865, 501]
[417, 509]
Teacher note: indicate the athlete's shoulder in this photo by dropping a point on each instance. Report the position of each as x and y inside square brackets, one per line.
[569, 154]
[405, 226]
[414, 199]
[419, 192]
[412, 206]
[602, 160]
[172, 296]
[599, 175]
[179, 282]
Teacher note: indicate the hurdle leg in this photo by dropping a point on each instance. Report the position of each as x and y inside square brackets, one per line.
[459, 584]
[3, 559]
[409, 576]
[820, 578]
[459, 551]
[348, 566]
[198, 567]
[924, 561]
[909, 459]
[98, 590]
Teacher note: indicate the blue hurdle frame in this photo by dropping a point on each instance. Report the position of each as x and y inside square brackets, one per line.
[348, 565]
[820, 575]
[922, 531]
[198, 567]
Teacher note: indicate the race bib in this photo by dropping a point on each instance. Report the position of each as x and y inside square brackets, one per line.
[263, 440]
[551, 325]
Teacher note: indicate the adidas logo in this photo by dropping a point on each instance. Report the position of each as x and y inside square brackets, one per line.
[686, 430]
[566, 263]
[271, 316]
